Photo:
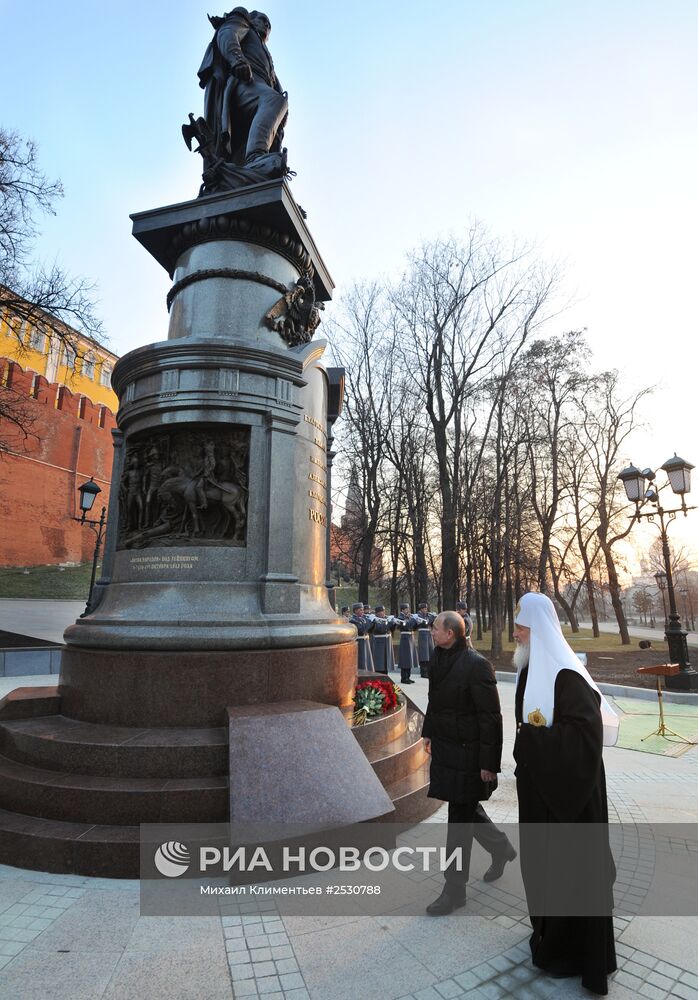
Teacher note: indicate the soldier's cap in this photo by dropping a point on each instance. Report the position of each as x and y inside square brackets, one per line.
[461, 606]
[403, 606]
[424, 604]
[379, 607]
[355, 607]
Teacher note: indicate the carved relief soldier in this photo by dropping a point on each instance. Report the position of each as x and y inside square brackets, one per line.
[151, 483]
[133, 493]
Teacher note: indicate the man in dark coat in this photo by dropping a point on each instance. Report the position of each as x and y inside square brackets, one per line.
[563, 721]
[463, 734]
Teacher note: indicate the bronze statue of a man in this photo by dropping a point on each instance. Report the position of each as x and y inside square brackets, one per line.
[244, 105]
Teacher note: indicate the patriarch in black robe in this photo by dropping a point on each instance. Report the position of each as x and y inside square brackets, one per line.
[562, 723]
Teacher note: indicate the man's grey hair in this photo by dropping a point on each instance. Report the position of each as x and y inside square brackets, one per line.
[453, 621]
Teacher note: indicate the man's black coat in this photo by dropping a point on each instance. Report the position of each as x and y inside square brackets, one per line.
[464, 723]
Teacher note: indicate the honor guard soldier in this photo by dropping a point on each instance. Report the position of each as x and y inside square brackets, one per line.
[462, 609]
[382, 641]
[407, 653]
[425, 643]
[363, 627]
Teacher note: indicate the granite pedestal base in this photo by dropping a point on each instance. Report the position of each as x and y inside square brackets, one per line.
[132, 688]
[74, 791]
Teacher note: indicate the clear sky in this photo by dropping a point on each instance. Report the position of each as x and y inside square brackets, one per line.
[572, 124]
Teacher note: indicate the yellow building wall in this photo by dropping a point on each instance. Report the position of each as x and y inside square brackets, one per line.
[51, 363]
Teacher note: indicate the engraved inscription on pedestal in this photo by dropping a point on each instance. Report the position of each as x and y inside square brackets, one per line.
[317, 475]
[185, 486]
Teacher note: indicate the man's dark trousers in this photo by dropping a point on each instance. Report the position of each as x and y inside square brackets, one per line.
[465, 821]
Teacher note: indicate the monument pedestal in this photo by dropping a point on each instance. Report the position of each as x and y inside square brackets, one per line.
[213, 593]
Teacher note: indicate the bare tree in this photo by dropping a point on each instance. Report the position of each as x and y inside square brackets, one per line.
[608, 419]
[31, 294]
[458, 310]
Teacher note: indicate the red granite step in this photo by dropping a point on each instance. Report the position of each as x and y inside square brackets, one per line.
[378, 732]
[399, 757]
[409, 796]
[85, 798]
[51, 845]
[25, 702]
[63, 744]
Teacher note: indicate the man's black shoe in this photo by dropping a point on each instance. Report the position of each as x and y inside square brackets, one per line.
[407, 682]
[446, 903]
[498, 864]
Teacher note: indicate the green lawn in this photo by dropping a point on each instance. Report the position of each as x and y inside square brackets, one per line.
[51, 582]
[581, 642]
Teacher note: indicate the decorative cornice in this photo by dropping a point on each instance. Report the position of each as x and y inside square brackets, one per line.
[236, 228]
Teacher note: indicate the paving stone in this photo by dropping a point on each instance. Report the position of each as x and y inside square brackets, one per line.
[277, 940]
[247, 988]
[297, 995]
[648, 961]
[448, 989]
[238, 972]
[285, 965]
[270, 984]
[672, 971]
[625, 979]
[684, 991]
[261, 969]
[292, 981]
[652, 992]
[467, 980]
[689, 979]
[282, 951]
[11, 947]
[634, 969]
[236, 944]
[260, 954]
[661, 982]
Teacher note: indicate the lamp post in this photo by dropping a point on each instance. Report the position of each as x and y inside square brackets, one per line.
[678, 473]
[660, 577]
[88, 494]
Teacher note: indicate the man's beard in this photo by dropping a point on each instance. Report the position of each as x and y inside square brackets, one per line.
[521, 654]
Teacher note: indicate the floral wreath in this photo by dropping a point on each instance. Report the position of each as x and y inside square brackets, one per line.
[373, 698]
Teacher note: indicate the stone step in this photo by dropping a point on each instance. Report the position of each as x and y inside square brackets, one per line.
[377, 732]
[409, 796]
[51, 845]
[27, 702]
[61, 744]
[85, 798]
[401, 756]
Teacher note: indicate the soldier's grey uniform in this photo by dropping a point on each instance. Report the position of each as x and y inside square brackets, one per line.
[382, 643]
[407, 651]
[364, 655]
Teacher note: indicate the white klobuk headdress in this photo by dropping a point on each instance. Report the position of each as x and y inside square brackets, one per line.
[549, 654]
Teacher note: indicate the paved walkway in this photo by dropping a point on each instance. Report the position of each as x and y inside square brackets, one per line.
[39, 619]
[71, 938]
[655, 635]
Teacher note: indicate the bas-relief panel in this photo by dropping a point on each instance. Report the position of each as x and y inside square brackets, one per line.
[185, 487]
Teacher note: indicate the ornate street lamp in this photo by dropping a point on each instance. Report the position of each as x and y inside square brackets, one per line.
[678, 473]
[660, 577]
[89, 492]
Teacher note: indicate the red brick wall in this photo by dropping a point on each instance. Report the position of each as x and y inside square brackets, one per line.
[39, 476]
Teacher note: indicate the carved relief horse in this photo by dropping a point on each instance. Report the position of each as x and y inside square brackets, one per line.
[227, 496]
